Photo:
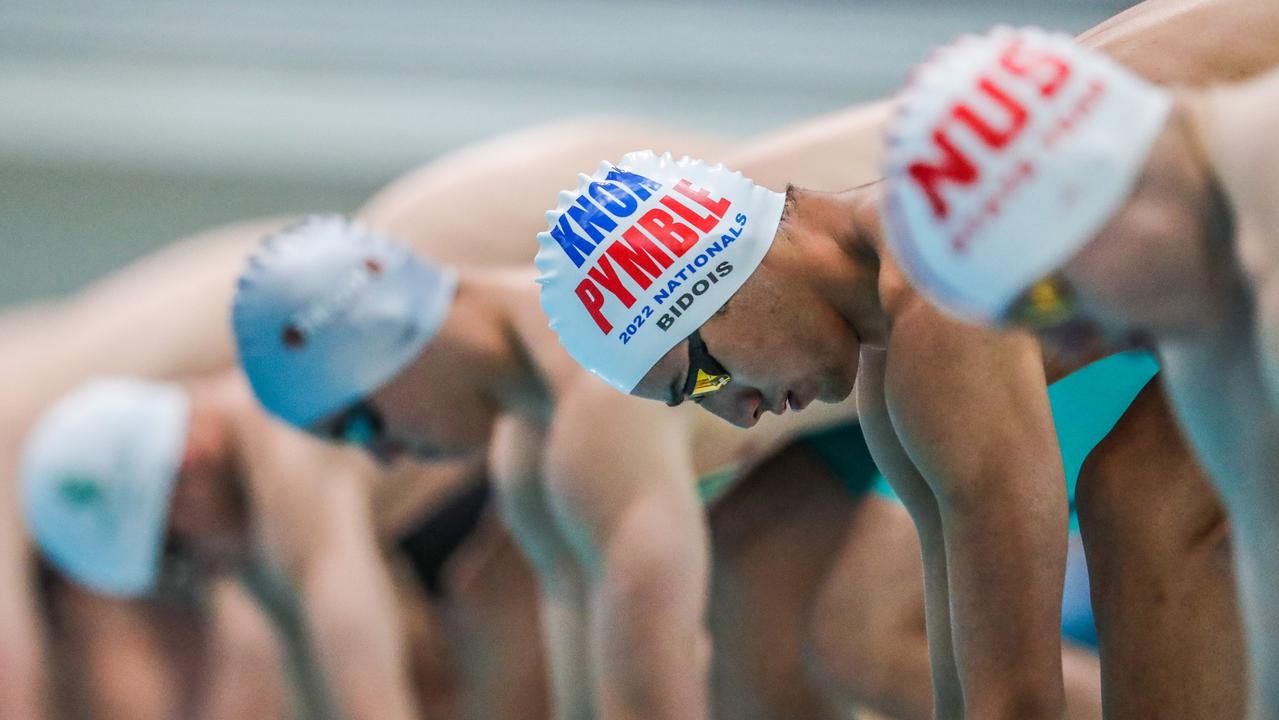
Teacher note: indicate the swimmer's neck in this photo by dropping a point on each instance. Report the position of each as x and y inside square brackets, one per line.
[502, 326]
[838, 239]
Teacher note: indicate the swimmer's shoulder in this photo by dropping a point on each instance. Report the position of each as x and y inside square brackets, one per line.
[483, 203]
[1235, 124]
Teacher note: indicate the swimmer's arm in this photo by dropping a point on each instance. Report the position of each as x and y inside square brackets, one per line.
[244, 673]
[316, 522]
[23, 676]
[971, 409]
[352, 613]
[515, 463]
[622, 480]
[125, 672]
[914, 492]
[23, 680]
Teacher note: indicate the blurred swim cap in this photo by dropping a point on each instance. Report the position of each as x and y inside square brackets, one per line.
[1008, 153]
[98, 470]
[327, 311]
[644, 252]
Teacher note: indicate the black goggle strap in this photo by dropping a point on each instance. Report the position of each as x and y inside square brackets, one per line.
[705, 374]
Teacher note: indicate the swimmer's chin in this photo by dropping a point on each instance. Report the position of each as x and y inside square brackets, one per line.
[832, 394]
[837, 394]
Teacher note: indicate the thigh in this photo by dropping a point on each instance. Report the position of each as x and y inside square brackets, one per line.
[773, 537]
[1156, 541]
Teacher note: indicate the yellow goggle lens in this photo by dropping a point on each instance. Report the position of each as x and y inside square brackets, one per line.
[1047, 303]
[707, 383]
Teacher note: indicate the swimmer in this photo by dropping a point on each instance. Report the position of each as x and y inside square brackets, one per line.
[982, 479]
[151, 495]
[1149, 214]
[178, 298]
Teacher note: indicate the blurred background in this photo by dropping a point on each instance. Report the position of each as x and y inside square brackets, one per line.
[127, 124]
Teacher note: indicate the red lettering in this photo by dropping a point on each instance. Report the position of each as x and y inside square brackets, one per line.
[1032, 64]
[705, 224]
[636, 254]
[593, 300]
[954, 167]
[606, 275]
[995, 138]
[675, 235]
[702, 197]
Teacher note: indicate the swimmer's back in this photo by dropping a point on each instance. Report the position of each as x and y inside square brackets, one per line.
[1203, 41]
[485, 204]
[832, 152]
[165, 316]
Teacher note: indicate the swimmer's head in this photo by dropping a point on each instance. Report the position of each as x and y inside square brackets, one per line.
[121, 472]
[1009, 154]
[350, 336]
[663, 277]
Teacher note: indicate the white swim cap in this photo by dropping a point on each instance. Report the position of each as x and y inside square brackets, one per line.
[1009, 152]
[643, 253]
[327, 311]
[97, 474]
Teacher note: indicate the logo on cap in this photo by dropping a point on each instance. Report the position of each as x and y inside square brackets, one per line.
[992, 114]
[643, 252]
[80, 491]
[680, 219]
[1007, 153]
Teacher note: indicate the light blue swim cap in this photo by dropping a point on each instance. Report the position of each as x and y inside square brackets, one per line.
[98, 472]
[327, 311]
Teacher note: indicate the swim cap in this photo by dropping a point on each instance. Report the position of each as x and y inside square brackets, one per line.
[97, 474]
[327, 311]
[1008, 153]
[644, 252]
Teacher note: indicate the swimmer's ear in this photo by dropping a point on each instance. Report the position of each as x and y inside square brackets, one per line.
[789, 205]
[788, 214]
